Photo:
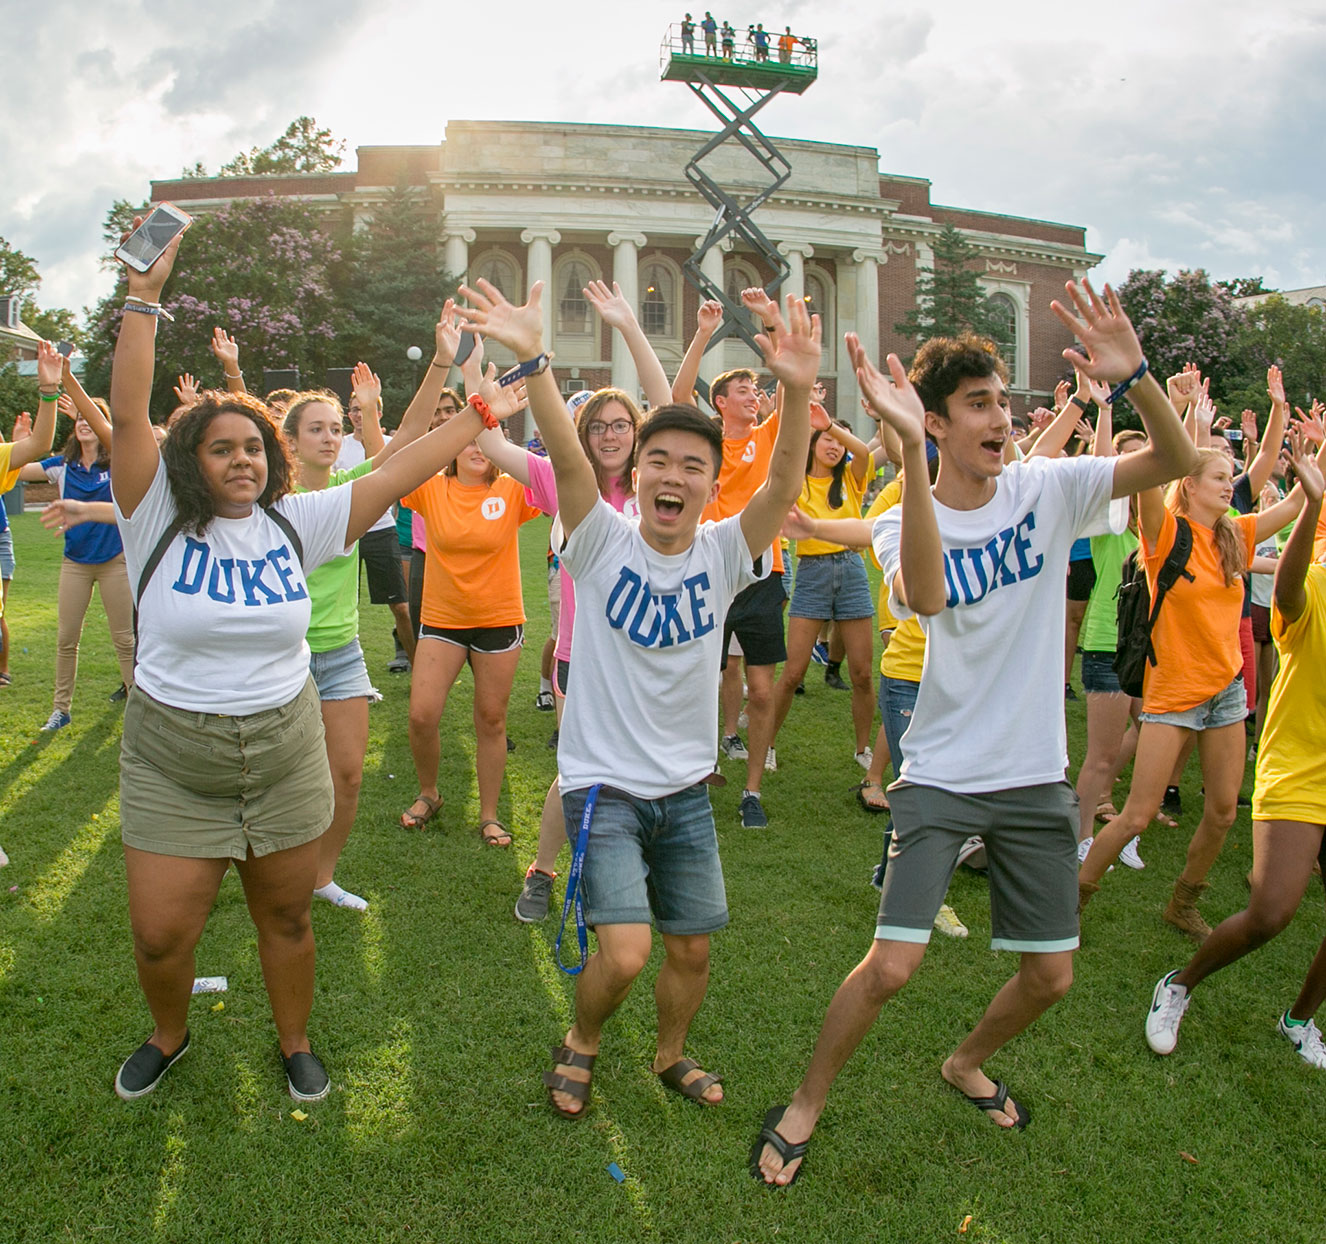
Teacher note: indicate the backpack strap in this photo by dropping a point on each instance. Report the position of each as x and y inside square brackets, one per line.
[298, 545]
[1175, 567]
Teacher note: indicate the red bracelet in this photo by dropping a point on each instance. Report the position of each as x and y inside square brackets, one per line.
[482, 409]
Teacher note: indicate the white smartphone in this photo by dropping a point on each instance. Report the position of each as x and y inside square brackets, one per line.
[144, 246]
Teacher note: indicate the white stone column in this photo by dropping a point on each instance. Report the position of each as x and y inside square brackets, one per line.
[711, 363]
[867, 299]
[538, 267]
[456, 252]
[796, 253]
[626, 274]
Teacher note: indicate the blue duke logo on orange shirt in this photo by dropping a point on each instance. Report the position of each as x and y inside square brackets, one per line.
[200, 568]
[971, 574]
[659, 619]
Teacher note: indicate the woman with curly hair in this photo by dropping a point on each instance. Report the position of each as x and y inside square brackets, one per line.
[223, 758]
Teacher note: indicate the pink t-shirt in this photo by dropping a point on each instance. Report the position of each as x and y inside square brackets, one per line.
[542, 492]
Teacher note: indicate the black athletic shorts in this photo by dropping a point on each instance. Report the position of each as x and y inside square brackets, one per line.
[756, 618]
[1081, 579]
[490, 639]
[381, 553]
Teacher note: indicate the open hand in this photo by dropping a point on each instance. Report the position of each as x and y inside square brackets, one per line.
[1084, 431]
[50, 366]
[1041, 418]
[612, 308]
[62, 514]
[796, 526]
[1312, 424]
[186, 390]
[502, 401]
[1113, 352]
[446, 335]
[1248, 422]
[22, 426]
[1306, 466]
[760, 305]
[520, 329]
[366, 387]
[1100, 393]
[792, 349]
[1061, 395]
[226, 349]
[1275, 385]
[896, 400]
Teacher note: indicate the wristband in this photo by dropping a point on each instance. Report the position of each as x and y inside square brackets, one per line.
[48, 397]
[132, 303]
[1080, 403]
[482, 409]
[534, 367]
[239, 375]
[439, 366]
[1124, 385]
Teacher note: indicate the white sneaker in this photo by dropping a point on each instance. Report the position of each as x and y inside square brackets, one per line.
[1306, 1039]
[771, 761]
[1129, 855]
[733, 748]
[947, 922]
[1084, 848]
[1168, 1003]
[865, 758]
[972, 853]
[4, 859]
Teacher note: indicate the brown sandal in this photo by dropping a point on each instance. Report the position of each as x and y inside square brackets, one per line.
[502, 839]
[675, 1079]
[410, 821]
[565, 1056]
[873, 808]
[1106, 811]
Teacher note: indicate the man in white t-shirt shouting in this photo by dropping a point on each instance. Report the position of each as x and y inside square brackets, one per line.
[981, 559]
[639, 732]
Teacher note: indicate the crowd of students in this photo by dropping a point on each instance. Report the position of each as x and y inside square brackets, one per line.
[224, 545]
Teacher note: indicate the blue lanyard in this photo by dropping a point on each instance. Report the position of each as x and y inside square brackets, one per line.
[573, 888]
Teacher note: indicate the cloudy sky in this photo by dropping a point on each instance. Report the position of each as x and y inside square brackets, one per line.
[1181, 133]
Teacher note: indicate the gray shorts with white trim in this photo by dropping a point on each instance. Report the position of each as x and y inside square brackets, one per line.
[1030, 836]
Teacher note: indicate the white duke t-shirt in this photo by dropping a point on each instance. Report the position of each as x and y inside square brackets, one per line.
[640, 708]
[222, 623]
[989, 710]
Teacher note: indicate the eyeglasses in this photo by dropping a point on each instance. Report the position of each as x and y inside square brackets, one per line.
[618, 427]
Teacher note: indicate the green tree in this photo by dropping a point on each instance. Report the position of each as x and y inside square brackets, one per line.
[949, 297]
[262, 269]
[1184, 319]
[17, 393]
[394, 290]
[303, 148]
[18, 272]
[1290, 336]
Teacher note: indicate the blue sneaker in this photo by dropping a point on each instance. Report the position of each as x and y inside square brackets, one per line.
[820, 653]
[56, 721]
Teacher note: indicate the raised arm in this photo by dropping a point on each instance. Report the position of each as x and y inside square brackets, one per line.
[792, 353]
[1102, 444]
[1051, 442]
[134, 454]
[919, 583]
[36, 445]
[863, 458]
[708, 319]
[226, 349]
[419, 413]
[85, 406]
[503, 402]
[520, 329]
[619, 315]
[367, 391]
[1296, 556]
[1259, 470]
[1114, 355]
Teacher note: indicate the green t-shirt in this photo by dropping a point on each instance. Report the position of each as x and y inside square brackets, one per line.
[334, 586]
[1100, 627]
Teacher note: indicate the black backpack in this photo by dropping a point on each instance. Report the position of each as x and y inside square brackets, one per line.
[1137, 612]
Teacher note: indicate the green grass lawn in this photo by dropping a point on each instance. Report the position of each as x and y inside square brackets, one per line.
[434, 1013]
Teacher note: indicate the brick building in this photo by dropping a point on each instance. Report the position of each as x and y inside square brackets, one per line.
[520, 201]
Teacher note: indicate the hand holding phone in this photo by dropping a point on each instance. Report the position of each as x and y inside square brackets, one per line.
[150, 237]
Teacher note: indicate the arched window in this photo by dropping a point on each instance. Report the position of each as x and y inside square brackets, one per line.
[575, 317]
[819, 301]
[658, 298]
[501, 270]
[1004, 330]
[739, 275]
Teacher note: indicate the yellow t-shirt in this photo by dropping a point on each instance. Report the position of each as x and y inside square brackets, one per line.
[889, 496]
[1291, 761]
[814, 503]
[904, 654]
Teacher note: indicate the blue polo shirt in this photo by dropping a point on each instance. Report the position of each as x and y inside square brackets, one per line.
[88, 543]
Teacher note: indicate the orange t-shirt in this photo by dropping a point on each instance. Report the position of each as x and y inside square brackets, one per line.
[472, 570]
[745, 468]
[1196, 636]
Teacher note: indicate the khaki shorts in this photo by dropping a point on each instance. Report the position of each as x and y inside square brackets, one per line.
[214, 787]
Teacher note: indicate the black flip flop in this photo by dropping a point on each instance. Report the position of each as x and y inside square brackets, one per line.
[788, 1150]
[999, 1101]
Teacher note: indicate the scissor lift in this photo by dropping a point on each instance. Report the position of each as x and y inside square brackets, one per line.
[758, 81]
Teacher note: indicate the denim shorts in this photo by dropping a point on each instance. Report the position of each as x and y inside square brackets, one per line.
[897, 702]
[1098, 676]
[651, 858]
[6, 552]
[341, 674]
[831, 585]
[1225, 708]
